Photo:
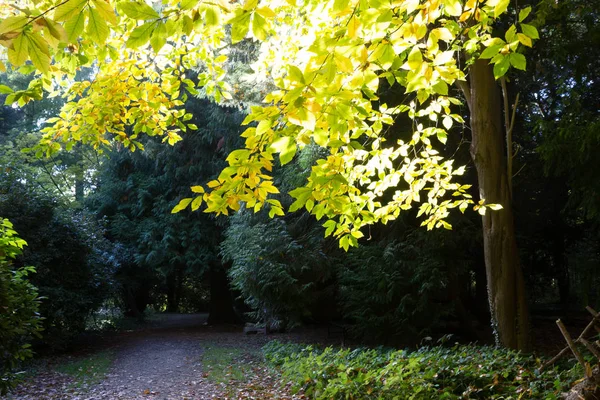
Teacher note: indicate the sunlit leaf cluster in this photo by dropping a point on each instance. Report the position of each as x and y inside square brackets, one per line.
[328, 62]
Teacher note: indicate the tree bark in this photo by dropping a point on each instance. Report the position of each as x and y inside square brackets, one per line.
[506, 287]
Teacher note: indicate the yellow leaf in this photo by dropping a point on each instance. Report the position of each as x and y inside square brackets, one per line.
[353, 26]
[181, 205]
[105, 10]
[525, 40]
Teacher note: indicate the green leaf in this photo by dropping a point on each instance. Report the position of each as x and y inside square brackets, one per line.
[295, 74]
[181, 205]
[97, 28]
[138, 10]
[74, 27]
[442, 135]
[57, 31]
[511, 34]
[140, 35]
[329, 227]
[259, 27]
[501, 7]
[501, 67]
[286, 147]
[240, 26]
[212, 17]
[415, 58]
[5, 89]
[524, 13]
[441, 87]
[301, 194]
[159, 36]
[188, 4]
[491, 51]
[13, 24]
[518, 61]
[530, 31]
[69, 9]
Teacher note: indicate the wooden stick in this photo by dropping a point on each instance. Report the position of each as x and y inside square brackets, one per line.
[591, 348]
[572, 346]
[555, 358]
[588, 328]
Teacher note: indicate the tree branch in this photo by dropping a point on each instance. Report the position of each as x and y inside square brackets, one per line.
[509, 123]
[466, 89]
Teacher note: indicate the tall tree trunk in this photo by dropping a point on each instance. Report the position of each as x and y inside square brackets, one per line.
[221, 300]
[506, 287]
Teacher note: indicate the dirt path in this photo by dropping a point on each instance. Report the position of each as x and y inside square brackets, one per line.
[161, 363]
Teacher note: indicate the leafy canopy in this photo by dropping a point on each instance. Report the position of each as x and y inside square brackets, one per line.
[327, 61]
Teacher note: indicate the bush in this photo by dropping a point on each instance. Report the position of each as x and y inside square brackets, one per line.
[460, 372]
[397, 291]
[72, 259]
[279, 273]
[19, 303]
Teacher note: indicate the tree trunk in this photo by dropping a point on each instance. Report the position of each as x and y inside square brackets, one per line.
[221, 301]
[506, 288]
[172, 292]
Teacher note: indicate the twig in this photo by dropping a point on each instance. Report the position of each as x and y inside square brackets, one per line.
[587, 329]
[591, 348]
[573, 348]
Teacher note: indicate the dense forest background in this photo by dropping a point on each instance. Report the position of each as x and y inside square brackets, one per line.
[104, 242]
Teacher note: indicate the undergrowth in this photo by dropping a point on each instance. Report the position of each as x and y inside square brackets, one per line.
[460, 372]
[221, 364]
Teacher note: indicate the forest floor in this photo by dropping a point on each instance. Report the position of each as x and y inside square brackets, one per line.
[181, 357]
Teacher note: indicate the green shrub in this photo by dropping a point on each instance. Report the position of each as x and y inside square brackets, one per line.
[19, 303]
[397, 291]
[460, 372]
[74, 263]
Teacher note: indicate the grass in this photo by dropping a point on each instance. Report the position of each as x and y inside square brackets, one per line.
[89, 370]
[222, 364]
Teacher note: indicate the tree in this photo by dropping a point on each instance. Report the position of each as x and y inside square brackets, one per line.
[136, 192]
[327, 61]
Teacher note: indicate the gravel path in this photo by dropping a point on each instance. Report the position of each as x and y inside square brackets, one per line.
[163, 365]
[159, 363]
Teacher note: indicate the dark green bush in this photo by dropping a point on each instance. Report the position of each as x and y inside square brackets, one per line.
[460, 372]
[68, 251]
[397, 291]
[19, 303]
